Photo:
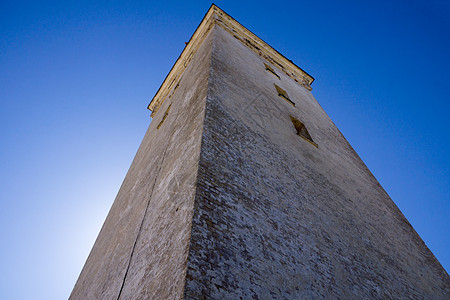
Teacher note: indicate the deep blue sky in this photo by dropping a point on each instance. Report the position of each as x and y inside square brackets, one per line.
[76, 77]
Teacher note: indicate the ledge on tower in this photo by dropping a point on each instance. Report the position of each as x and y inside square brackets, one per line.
[216, 16]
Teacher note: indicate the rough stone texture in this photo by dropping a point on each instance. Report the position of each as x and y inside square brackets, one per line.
[142, 248]
[226, 201]
[277, 218]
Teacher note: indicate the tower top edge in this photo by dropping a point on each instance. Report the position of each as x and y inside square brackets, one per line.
[217, 17]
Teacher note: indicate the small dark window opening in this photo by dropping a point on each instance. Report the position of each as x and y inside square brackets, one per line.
[302, 131]
[282, 93]
[269, 68]
[164, 117]
[173, 92]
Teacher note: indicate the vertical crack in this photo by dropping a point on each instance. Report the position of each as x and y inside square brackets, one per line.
[142, 222]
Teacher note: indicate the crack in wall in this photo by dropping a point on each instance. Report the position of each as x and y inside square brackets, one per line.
[142, 222]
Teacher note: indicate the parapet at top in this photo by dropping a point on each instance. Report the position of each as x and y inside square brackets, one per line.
[216, 16]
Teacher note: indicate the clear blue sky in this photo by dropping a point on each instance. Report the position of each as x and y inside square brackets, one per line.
[76, 77]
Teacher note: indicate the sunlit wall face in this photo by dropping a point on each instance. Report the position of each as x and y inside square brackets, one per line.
[76, 77]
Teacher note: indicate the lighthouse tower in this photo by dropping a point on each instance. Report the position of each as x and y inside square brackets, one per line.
[243, 188]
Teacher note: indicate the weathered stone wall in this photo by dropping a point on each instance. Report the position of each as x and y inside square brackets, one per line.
[142, 248]
[225, 201]
[277, 218]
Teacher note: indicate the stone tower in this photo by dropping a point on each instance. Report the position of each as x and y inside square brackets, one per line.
[243, 188]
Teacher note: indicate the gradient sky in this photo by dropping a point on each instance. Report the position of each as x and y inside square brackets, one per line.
[76, 77]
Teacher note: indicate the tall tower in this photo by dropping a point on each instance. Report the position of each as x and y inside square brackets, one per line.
[243, 188]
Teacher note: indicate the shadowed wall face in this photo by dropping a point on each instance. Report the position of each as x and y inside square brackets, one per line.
[142, 248]
[275, 216]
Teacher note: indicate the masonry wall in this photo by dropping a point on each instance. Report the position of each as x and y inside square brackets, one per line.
[142, 248]
[224, 200]
[277, 218]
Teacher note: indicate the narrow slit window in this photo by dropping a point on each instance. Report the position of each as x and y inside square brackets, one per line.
[282, 93]
[164, 117]
[269, 68]
[302, 131]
